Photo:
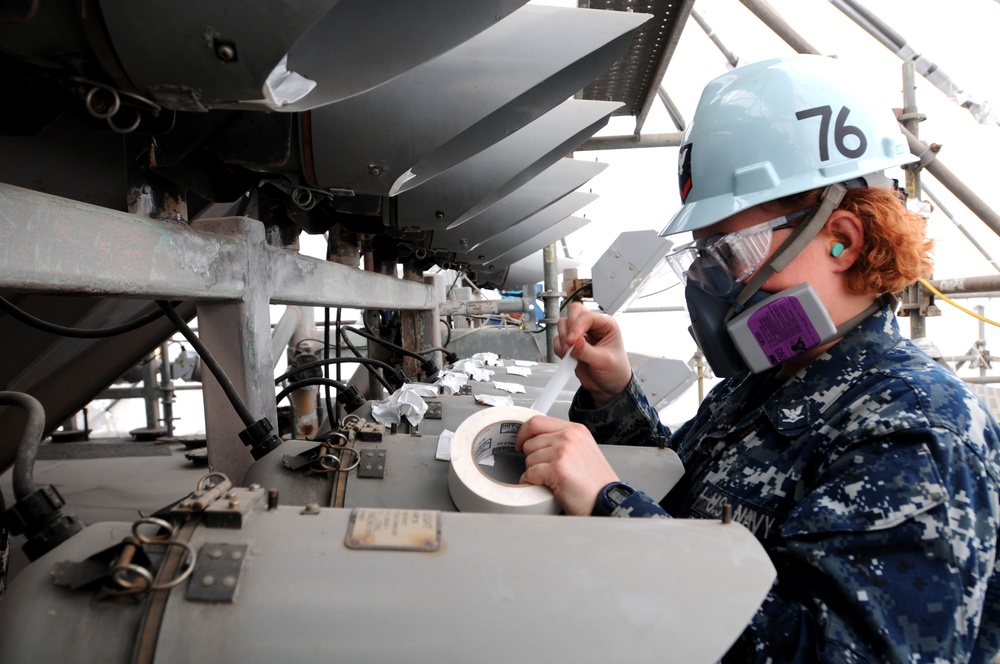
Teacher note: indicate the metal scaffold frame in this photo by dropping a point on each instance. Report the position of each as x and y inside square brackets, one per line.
[54, 245]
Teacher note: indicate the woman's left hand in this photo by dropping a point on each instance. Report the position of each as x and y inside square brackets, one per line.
[564, 457]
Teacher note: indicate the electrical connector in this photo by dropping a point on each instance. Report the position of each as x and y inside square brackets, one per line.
[260, 438]
[38, 516]
[396, 378]
[429, 368]
[350, 398]
[303, 359]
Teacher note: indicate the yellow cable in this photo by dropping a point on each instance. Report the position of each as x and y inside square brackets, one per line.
[926, 284]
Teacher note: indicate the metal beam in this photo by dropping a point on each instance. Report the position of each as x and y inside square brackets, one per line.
[42, 249]
[673, 37]
[628, 141]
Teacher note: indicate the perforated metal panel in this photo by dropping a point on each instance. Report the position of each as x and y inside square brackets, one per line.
[635, 78]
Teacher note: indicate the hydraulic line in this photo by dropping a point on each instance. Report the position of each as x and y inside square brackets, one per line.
[428, 367]
[341, 360]
[74, 332]
[24, 463]
[213, 365]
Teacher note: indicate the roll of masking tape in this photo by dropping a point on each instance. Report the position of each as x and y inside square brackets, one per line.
[478, 438]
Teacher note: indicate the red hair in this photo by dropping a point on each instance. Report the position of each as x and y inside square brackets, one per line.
[896, 251]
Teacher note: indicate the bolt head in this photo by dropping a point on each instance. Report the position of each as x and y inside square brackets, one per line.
[225, 52]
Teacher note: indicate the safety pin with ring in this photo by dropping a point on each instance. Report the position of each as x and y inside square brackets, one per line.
[345, 448]
[223, 478]
[328, 463]
[125, 559]
[120, 573]
[129, 587]
[152, 521]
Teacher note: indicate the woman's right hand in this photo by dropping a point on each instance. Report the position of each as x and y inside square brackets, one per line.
[596, 341]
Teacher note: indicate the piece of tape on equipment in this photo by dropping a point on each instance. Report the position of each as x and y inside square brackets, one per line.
[485, 434]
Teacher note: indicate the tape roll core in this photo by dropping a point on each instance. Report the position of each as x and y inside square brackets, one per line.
[482, 435]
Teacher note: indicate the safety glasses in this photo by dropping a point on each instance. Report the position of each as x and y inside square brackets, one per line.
[721, 261]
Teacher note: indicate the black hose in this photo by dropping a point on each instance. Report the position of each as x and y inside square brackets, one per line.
[447, 326]
[27, 451]
[308, 382]
[75, 332]
[358, 354]
[227, 386]
[328, 400]
[569, 298]
[387, 344]
[338, 361]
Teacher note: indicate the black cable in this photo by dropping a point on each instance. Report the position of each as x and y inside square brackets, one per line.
[427, 366]
[569, 298]
[338, 361]
[447, 326]
[439, 349]
[458, 275]
[22, 476]
[336, 349]
[309, 382]
[387, 344]
[75, 332]
[227, 386]
[347, 342]
[359, 357]
[328, 400]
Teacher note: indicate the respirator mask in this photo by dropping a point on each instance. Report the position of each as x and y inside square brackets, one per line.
[738, 326]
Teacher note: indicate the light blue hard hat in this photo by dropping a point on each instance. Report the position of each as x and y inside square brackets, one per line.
[776, 128]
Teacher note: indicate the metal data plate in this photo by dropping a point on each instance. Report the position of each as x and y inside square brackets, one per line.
[550, 235]
[462, 192]
[551, 185]
[443, 112]
[394, 530]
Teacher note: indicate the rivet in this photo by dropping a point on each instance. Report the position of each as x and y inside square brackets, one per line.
[225, 52]
[207, 580]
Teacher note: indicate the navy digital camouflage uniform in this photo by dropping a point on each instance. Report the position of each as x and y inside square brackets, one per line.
[4, 558]
[871, 478]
